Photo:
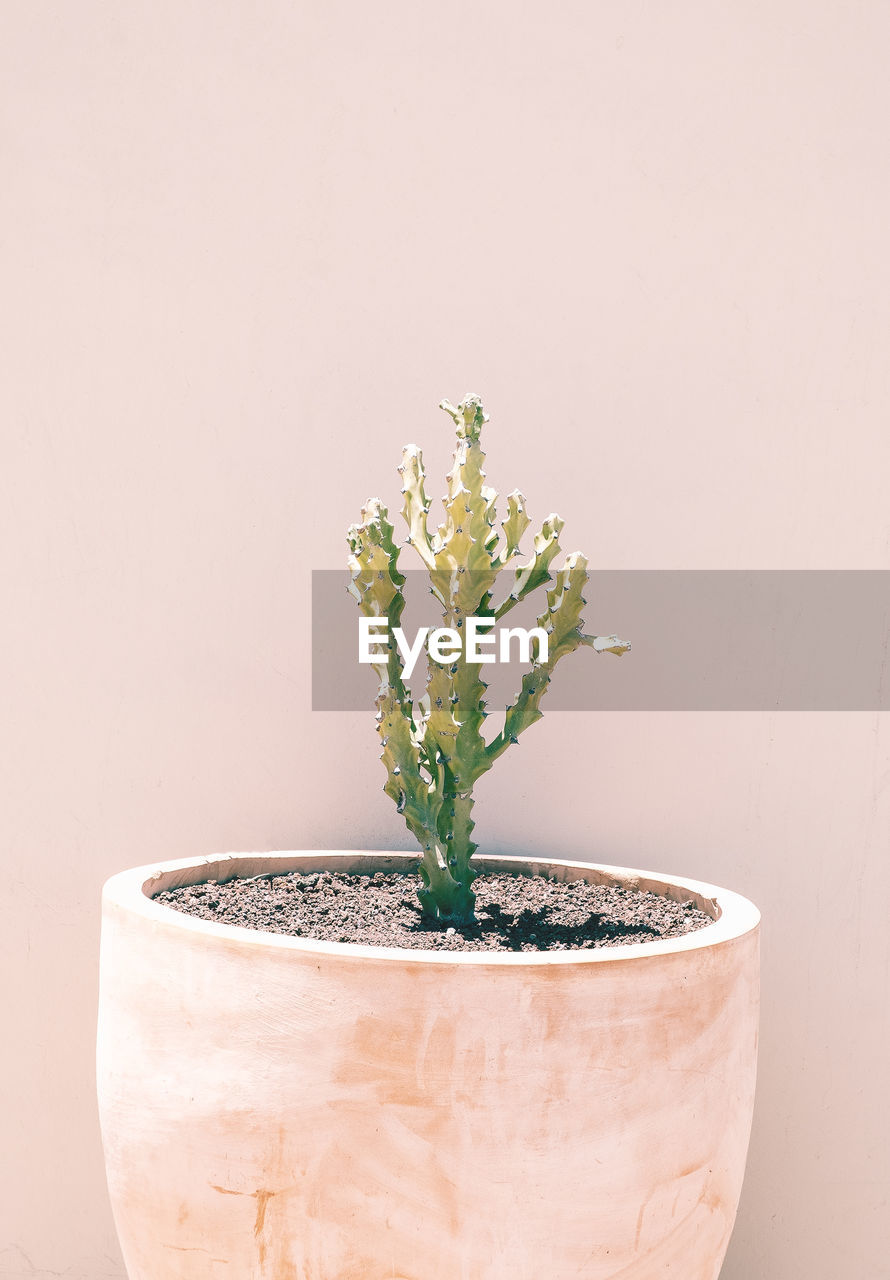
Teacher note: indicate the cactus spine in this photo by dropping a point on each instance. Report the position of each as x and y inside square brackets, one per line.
[434, 751]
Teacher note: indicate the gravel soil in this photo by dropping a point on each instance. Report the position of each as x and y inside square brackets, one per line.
[514, 913]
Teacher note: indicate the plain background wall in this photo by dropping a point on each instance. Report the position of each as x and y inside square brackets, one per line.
[245, 250]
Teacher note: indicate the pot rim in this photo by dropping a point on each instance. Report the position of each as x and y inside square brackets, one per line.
[132, 891]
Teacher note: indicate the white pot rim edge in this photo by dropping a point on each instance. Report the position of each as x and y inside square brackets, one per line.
[130, 891]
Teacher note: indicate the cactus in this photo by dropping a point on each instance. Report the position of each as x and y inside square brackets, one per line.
[434, 750]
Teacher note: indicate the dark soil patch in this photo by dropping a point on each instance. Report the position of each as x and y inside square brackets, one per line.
[514, 913]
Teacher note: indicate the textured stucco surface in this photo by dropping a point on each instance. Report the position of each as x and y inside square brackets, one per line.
[243, 256]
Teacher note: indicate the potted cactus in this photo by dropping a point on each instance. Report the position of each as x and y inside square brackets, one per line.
[282, 1107]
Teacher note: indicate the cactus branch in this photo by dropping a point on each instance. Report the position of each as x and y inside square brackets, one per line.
[562, 621]
[514, 525]
[534, 574]
[416, 503]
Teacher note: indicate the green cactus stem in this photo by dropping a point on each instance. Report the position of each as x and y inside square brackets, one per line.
[434, 750]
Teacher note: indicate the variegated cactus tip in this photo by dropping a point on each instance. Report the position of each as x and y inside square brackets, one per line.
[434, 748]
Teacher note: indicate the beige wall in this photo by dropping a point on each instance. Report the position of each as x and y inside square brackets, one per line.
[245, 251]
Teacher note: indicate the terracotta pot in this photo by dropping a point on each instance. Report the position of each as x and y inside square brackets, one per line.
[281, 1109]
